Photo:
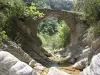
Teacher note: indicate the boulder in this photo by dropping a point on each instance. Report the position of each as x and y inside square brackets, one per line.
[80, 64]
[95, 44]
[94, 68]
[16, 50]
[10, 65]
[55, 71]
[32, 63]
[38, 66]
[83, 59]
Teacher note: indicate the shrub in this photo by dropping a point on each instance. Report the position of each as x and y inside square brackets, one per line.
[63, 35]
[92, 10]
[11, 8]
[58, 40]
[48, 26]
[95, 29]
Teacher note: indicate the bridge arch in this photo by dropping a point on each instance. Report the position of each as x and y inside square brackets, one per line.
[27, 29]
[72, 19]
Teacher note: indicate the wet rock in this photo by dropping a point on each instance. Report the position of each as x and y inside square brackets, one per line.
[55, 71]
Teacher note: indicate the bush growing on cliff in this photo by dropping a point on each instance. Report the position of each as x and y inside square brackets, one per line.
[92, 11]
[11, 8]
[95, 29]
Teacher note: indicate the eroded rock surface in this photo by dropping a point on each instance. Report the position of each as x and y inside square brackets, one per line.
[55, 71]
[94, 68]
[86, 53]
[10, 65]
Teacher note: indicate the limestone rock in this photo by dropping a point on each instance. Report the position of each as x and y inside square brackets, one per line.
[16, 50]
[80, 64]
[55, 71]
[95, 44]
[87, 53]
[83, 59]
[38, 66]
[10, 65]
[32, 63]
[94, 68]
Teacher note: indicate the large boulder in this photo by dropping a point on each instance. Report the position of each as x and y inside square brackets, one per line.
[55, 71]
[10, 65]
[80, 64]
[94, 68]
[83, 59]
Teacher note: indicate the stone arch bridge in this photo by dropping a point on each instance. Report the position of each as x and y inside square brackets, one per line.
[72, 18]
[27, 30]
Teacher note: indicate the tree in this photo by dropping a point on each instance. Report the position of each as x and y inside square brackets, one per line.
[92, 10]
[78, 5]
[60, 4]
[39, 3]
[18, 8]
[48, 26]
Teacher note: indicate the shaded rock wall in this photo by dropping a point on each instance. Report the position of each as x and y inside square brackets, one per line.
[24, 33]
[16, 50]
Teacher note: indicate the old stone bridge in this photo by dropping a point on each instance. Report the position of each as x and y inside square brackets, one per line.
[72, 18]
[27, 30]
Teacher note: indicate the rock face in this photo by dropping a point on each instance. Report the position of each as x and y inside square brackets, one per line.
[10, 65]
[24, 32]
[94, 68]
[88, 53]
[55, 71]
[16, 50]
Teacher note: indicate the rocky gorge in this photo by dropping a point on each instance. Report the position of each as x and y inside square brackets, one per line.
[22, 52]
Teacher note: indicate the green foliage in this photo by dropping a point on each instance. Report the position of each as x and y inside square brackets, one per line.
[18, 8]
[11, 8]
[58, 40]
[60, 4]
[95, 29]
[92, 10]
[48, 26]
[41, 3]
[30, 11]
[2, 36]
[78, 5]
[63, 35]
